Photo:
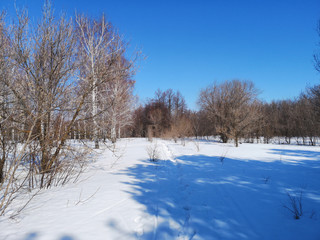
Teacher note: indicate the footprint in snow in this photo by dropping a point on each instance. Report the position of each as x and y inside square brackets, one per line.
[139, 230]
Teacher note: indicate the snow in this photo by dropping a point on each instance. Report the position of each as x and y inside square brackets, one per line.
[218, 192]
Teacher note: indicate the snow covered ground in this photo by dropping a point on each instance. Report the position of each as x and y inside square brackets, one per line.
[219, 192]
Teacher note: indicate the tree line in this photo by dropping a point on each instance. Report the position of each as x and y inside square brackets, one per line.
[232, 111]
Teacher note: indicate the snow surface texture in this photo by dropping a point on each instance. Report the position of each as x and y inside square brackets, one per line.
[219, 192]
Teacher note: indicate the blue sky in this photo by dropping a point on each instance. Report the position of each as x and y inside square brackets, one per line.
[191, 44]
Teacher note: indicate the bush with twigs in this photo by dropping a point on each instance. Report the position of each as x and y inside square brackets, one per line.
[153, 152]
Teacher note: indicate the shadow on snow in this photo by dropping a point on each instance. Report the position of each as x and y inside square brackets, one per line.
[35, 236]
[306, 154]
[200, 197]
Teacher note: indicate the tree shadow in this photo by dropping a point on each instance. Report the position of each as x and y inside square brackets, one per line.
[66, 237]
[35, 236]
[32, 236]
[200, 197]
[306, 154]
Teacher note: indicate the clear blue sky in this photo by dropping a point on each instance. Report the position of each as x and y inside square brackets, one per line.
[191, 44]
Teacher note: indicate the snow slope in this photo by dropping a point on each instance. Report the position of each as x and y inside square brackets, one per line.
[220, 192]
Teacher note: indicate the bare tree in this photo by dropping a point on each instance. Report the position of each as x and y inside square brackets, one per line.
[44, 56]
[117, 99]
[268, 121]
[201, 125]
[181, 128]
[6, 110]
[232, 108]
[308, 108]
[138, 128]
[99, 49]
[173, 101]
[179, 106]
[162, 116]
[313, 94]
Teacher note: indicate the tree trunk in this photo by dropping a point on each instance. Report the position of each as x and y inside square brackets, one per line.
[113, 134]
[94, 113]
[224, 138]
[79, 131]
[2, 160]
[113, 129]
[12, 135]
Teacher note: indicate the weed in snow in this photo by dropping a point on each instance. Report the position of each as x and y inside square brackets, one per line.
[295, 204]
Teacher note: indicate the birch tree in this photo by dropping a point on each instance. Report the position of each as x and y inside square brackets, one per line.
[119, 99]
[99, 47]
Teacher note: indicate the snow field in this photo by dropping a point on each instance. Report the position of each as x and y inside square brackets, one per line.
[220, 192]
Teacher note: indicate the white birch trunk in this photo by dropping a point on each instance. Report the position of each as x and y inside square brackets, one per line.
[12, 133]
[94, 113]
[113, 129]
[79, 131]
